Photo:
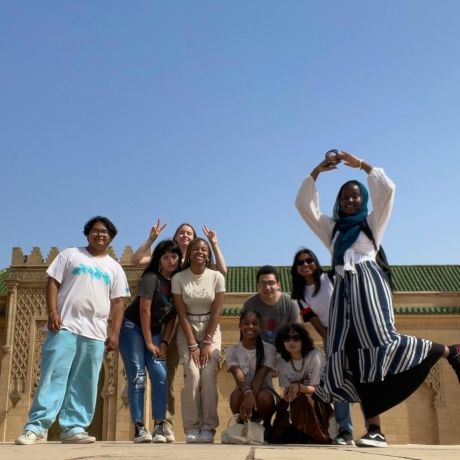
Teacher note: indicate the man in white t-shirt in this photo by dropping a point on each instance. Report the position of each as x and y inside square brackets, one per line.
[84, 285]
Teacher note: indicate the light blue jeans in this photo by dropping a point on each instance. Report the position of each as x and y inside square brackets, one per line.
[136, 357]
[343, 416]
[69, 373]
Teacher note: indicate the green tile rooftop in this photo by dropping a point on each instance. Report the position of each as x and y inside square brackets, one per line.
[411, 278]
[406, 278]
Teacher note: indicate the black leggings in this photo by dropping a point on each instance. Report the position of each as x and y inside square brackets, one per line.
[378, 397]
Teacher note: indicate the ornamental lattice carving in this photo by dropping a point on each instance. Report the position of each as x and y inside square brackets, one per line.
[28, 275]
[30, 303]
[434, 381]
[37, 352]
[111, 374]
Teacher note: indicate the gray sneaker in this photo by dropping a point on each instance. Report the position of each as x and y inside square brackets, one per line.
[192, 436]
[80, 438]
[206, 437]
[344, 438]
[29, 437]
[158, 434]
[141, 434]
[169, 434]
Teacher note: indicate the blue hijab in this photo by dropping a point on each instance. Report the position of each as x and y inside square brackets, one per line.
[348, 226]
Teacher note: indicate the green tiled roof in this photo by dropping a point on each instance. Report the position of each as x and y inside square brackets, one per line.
[414, 278]
[442, 278]
[3, 276]
[427, 310]
[235, 311]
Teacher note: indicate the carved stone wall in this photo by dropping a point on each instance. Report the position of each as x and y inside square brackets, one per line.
[21, 339]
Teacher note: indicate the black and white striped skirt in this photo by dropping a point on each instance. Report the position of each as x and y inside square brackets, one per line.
[368, 361]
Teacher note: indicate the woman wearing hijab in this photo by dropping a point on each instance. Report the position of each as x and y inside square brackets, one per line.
[368, 361]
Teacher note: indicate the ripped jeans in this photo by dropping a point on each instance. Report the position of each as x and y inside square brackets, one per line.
[136, 358]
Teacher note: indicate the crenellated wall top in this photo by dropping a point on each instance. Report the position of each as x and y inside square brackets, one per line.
[36, 258]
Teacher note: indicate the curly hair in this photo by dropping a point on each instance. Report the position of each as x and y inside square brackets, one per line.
[209, 262]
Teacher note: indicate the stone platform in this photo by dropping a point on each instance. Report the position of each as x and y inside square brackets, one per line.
[178, 451]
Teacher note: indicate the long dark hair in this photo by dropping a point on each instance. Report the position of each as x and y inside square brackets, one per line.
[209, 262]
[260, 354]
[298, 281]
[307, 341]
[160, 250]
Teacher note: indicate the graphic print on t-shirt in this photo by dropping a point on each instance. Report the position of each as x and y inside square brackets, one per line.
[270, 330]
[94, 272]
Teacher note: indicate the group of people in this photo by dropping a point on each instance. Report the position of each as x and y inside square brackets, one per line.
[174, 318]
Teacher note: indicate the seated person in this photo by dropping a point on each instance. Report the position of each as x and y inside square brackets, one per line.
[300, 419]
[251, 363]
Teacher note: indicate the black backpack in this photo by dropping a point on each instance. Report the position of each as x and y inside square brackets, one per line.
[380, 257]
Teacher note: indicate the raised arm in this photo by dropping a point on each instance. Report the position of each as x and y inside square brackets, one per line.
[307, 203]
[141, 258]
[220, 261]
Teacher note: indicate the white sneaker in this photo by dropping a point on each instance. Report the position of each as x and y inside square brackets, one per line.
[141, 434]
[169, 434]
[80, 438]
[29, 437]
[206, 436]
[192, 436]
[158, 434]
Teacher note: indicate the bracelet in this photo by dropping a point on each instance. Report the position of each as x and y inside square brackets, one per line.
[248, 391]
[54, 312]
[360, 163]
[192, 347]
[165, 342]
[206, 342]
[209, 336]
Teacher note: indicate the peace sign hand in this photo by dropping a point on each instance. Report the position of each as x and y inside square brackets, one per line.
[156, 230]
[211, 235]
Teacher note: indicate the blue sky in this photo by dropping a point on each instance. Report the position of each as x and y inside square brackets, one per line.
[212, 112]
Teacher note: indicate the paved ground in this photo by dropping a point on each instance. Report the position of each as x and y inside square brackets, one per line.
[178, 451]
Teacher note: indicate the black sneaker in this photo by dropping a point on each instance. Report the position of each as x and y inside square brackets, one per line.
[454, 359]
[374, 438]
[344, 438]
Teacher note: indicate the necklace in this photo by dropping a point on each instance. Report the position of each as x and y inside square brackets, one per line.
[301, 367]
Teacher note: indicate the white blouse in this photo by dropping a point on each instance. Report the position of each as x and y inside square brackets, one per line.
[382, 191]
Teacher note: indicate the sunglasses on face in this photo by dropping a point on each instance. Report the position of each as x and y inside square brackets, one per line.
[294, 338]
[307, 261]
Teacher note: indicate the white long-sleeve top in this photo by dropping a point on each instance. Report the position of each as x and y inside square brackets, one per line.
[382, 191]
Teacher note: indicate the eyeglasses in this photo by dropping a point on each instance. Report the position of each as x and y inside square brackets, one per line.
[307, 261]
[171, 258]
[294, 338]
[99, 232]
[270, 283]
